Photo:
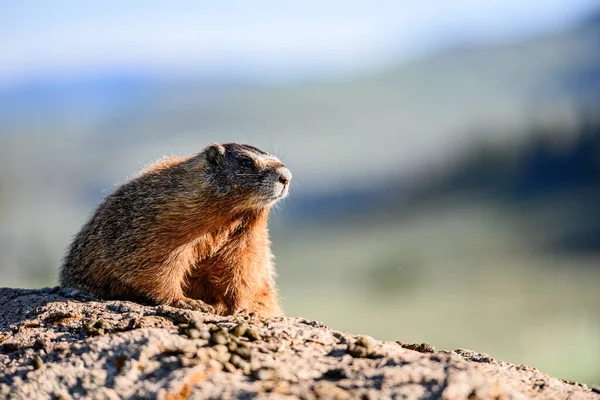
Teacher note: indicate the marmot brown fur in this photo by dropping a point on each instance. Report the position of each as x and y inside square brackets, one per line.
[189, 232]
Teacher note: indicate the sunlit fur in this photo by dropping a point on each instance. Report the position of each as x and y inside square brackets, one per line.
[185, 232]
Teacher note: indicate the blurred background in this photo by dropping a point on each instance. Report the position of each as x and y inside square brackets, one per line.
[446, 155]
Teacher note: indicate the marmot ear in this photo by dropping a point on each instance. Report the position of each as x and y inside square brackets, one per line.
[214, 153]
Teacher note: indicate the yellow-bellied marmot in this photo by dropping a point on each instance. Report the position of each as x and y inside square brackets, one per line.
[189, 232]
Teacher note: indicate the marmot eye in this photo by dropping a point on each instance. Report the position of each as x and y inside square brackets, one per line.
[247, 163]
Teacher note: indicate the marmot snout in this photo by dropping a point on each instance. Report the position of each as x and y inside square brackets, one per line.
[189, 232]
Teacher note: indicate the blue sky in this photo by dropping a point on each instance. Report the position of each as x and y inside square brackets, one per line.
[269, 38]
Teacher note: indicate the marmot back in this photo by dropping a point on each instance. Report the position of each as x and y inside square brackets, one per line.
[188, 232]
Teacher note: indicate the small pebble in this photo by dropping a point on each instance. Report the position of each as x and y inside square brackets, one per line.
[232, 346]
[263, 374]
[221, 354]
[252, 334]
[198, 325]
[362, 348]
[241, 341]
[239, 363]
[358, 351]
[37, 362]
[229, 367]
[193, 333]
[204, 335]
[218, 338]
[365, 342]
[240, 329]
[221, 349]
[244, 352]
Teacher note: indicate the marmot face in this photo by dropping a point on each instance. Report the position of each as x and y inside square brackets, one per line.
[254, 178]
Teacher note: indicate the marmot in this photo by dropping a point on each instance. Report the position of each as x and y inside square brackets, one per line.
[189, 232]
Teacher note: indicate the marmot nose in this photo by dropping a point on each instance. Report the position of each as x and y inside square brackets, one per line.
[285, 176]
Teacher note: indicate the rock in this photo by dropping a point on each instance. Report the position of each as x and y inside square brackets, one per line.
[57, 343]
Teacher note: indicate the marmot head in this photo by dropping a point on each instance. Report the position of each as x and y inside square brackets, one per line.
[246, 174]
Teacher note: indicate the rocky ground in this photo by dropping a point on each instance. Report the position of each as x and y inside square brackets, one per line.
[57, 343]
